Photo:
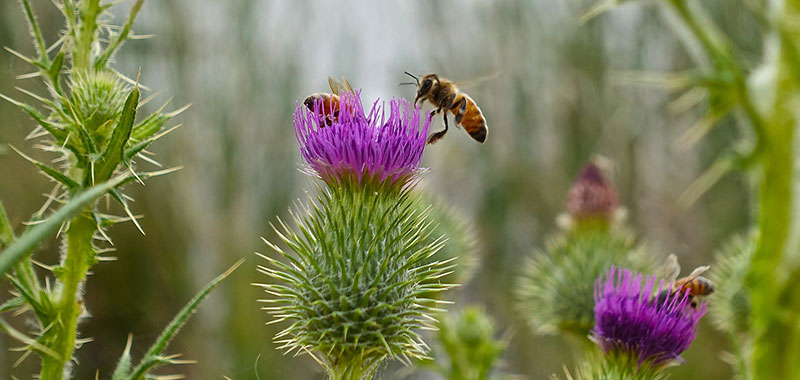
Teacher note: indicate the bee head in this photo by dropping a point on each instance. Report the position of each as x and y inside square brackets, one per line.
[425, 86]
[309, 102]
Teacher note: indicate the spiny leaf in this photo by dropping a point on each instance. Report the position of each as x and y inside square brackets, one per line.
[153, 123]
[33, 344]
[50, 172]
[37, 33]
[123, 368]
[31, 238]
[6, 231]
[55, 70]
[121, 37]
[134, 149]
[117, 195]
[58, 133]
[153, 356]
[116, 144]
[12, 304]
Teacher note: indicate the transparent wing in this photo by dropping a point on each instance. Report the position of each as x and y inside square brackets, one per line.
[699, 270]
[671, 268]
[338, 87]
[471, 82]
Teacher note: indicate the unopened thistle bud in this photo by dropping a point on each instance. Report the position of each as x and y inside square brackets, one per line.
[592, 199]
[355, 287]
[555, 291]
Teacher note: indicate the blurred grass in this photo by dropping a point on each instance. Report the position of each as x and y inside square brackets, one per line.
[244, 63]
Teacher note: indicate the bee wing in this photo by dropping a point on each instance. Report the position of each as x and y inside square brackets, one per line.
[699, 270]
[671, 268]
[471, 82]
[338, 87]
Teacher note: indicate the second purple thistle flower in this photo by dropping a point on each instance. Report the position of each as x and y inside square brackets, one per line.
[362, 147]
[630, 320]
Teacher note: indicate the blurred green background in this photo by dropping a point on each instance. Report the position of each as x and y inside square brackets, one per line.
[243, 64]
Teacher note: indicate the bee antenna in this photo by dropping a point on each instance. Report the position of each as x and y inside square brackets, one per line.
[412, 75]
[406, 83]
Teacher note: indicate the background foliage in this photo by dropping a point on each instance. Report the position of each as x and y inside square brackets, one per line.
[244, 63]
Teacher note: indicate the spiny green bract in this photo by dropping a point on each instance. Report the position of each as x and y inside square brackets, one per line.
[556, 290]
[611, 367]
[730, 306]
[462, 237]
[355, 287]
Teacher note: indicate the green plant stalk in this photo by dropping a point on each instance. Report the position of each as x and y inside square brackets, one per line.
[82, 53]
[78, 260]
[774, 320]
[352, 370]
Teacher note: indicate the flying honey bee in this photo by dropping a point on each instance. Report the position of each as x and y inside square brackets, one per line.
[330, 101]
[445, 96]
[697, 285]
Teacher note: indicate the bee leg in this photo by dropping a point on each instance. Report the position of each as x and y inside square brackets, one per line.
[438, 135]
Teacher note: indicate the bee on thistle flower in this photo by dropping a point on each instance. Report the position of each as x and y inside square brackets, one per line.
[356, 286]
[630, 323]
[358, 146]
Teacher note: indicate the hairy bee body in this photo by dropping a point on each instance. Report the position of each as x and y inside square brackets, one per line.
[445, 96]
[329, 101]
[695, 284]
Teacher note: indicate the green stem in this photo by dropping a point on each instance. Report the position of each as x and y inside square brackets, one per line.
[353, 370]
[85, 37]
[774, 320]
[75, 265]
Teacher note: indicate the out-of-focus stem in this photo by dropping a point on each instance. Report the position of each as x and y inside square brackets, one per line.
[774, 318]
[79, 257]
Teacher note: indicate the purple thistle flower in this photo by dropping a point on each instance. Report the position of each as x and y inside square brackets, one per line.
[354, 146]
[630, 321]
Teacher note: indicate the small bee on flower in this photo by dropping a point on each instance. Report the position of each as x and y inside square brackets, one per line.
[629, 323]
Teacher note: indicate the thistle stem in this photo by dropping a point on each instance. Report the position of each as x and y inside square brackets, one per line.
[75, 265]
[774, 319]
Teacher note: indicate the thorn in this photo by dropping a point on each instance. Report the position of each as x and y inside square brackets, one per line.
[150, 160]
[19, 55]
[135, 175]
[10, 100]
[29, 75]
[41, 265]
[21, 358]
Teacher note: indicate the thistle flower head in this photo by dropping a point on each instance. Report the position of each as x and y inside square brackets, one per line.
[631, 321]
[358, 147]
[592, 197]
[98, 97]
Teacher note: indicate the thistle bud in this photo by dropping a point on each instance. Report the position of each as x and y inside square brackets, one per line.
[592, 199]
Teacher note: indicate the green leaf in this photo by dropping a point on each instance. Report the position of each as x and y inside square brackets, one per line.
[57, 132]
[120, 38]
[32, 237]
[51, 172]
[33, 344]
[55, 68]
[12, 304]
[116, 145]
[123, 368]
[6, 231]
[153, 357]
